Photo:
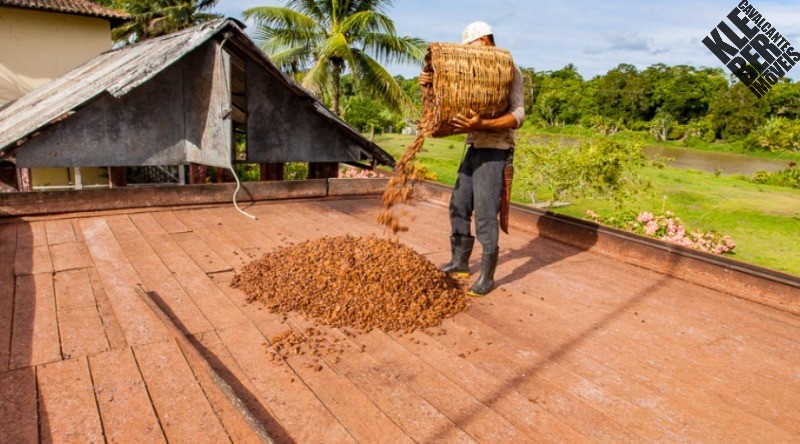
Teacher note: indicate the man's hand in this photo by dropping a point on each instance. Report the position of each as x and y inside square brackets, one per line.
[425, 78]
[470, 123]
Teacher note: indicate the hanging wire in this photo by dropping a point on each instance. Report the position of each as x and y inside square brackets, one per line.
[229, 156]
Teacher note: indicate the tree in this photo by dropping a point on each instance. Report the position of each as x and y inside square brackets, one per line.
[324, 38]
[735, 112]
[153, 18]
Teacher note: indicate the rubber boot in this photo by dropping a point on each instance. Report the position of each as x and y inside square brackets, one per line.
[461, 248]
[485, 282]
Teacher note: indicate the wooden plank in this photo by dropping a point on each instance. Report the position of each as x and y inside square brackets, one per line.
[476, 418]
[530, 417]
[111, 327]
[70, 256]
[31, 234]
[225, 246]
[212, 303]
[181, 405]
[82, 332]
[73, 290]
[366, 418]
[624, 354]
[156, 276]
[169, 222]
[202, 254]
[228, 406]
[119, 278]
[368, 383]
[123, 399]
[18, 415]
[59, 232]
[8, 252]
[214, 351]
[292, 402]
[35, 339]
[33, 260]
[67, 407]
[583, 404]
[721, 357]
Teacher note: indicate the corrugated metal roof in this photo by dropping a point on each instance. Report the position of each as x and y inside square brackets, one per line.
[119, 71]
[80, 7]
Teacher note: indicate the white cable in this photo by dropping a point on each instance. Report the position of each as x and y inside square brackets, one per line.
[229, 156]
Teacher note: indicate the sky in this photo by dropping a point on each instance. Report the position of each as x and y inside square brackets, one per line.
[595, 36]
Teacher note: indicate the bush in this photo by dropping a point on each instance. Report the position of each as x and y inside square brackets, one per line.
[787, 177]
[598, 168]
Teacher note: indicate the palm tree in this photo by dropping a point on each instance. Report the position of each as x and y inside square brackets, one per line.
[152, 18]
[319, 39]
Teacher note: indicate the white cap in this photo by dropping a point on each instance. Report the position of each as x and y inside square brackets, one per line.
[474, 31]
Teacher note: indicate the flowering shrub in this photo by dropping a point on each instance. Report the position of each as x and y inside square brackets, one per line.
[669, 228]
[349, 172]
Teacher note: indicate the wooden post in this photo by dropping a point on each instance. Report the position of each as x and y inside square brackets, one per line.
[116, 177]
[197, 174]
[323, 170]
[271, 171]
[24, 183]
[224, 175]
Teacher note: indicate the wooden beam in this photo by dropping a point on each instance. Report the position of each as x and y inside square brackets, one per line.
[116, 177]
[197, 174]
[24, 183]
[271, 171]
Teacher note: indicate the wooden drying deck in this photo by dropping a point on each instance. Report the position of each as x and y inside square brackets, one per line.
[573, 346]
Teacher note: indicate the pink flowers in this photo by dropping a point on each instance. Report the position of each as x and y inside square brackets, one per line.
[348, 172]
[668, 228]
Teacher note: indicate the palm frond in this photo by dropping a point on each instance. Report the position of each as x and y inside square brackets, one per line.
[375, 81]
[282, 18]
[393, 49]
[367, 22]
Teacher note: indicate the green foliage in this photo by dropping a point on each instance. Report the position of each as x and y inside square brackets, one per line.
[365, 114]
[599, 168]
[777, 134]
[153, 18]
[324, 38]
[736, 111]
[787, 177]
[295, 171]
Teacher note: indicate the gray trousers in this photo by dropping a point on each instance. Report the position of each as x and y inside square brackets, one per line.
[478, 188]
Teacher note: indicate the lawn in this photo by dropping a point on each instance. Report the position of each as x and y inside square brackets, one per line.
[764, 221]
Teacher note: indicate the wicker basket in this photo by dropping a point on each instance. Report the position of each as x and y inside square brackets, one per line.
[464, 78]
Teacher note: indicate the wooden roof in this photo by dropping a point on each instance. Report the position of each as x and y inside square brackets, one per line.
[574, 345]
[79, 7]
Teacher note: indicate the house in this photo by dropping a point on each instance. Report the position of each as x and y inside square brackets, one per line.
[39, 41]
[180, 100]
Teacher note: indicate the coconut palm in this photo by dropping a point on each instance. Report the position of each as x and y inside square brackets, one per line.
[318, 40]
[152, 18]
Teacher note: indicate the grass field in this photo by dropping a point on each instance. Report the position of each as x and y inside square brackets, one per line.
[764, 221]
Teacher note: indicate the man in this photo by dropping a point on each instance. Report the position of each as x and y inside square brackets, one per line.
[480, 177]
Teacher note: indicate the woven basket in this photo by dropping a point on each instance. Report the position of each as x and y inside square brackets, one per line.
[464, 78]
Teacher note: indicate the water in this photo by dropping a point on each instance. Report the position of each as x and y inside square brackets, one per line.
[709, 161]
